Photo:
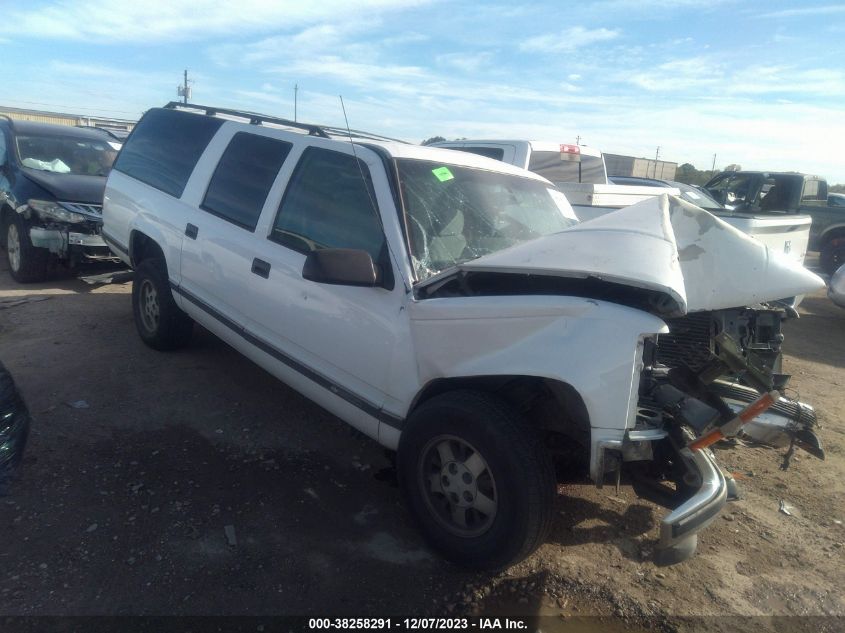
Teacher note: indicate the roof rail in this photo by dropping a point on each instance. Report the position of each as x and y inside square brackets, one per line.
[254, 117]
[324, 131]
[342, 131]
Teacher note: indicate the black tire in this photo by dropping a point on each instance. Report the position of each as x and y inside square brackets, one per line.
[832, 255]
[159, 321]
[518, 466]
[27, 263]
[14, 429]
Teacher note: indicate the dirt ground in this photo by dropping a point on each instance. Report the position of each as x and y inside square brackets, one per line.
[124, 502]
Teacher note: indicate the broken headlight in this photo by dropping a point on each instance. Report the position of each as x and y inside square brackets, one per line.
[52, 212]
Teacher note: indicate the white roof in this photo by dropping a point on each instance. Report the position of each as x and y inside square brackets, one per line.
[537, 146]
[450, 157]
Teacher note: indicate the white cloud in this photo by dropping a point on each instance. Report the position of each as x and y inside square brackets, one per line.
[829, 9]
[713, 77]
[569, 39]
[466, 62]
[104, 21]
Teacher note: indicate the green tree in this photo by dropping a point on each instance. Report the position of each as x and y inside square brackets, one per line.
[687, 173]
[433, 139]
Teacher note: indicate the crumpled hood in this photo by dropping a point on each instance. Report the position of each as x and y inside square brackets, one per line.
[69, 187]
[666, 245]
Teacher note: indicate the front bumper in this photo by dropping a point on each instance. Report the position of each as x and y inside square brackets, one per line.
[679, 529]
[64, 243]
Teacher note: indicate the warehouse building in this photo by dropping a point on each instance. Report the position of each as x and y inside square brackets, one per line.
[58, 118]
[618, 165]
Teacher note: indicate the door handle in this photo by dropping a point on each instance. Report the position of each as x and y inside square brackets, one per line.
[191, 231]
[261, 268]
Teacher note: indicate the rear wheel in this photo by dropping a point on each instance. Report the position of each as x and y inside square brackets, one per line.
[27, 263]
[159, 321]
[832, 255]
[477, 479]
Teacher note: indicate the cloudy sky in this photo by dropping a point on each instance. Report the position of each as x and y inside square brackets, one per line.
[756, 83]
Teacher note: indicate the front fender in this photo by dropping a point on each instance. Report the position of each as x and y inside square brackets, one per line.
[594, 346]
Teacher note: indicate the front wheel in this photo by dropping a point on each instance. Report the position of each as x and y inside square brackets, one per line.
[477, 479]
[159, 321]
[27, 263]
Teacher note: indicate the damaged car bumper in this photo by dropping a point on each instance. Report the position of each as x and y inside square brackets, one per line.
[68, 230]
[679, 529]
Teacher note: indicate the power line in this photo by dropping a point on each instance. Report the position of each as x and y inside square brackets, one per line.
[65, 107]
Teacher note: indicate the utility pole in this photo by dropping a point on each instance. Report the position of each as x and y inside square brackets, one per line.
[183, 90]
[656, 157]
[295, 91]
[713, 169]
[578, 140]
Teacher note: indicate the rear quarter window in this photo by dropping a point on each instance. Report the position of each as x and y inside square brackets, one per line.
[560, 168]
[243, 178]
[164, 148]
[496, 153]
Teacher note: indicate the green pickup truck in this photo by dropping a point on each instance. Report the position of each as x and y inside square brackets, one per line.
[778, 193]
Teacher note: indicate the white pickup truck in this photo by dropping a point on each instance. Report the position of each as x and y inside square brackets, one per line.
[452, 308]
[580, 173]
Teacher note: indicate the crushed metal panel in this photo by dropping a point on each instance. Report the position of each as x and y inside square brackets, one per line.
[663, 244]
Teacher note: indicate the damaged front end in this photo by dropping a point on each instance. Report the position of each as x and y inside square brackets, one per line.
[715, 376]
[71, 231]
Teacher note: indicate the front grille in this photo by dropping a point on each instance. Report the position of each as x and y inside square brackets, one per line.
[791, 409]
[95, 210]
[689, 342]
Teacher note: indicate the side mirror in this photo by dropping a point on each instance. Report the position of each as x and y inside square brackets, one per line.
[342, 267]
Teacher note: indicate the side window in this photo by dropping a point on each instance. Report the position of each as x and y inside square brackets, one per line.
[815, 193]
[164, 148]
[243, 178]
[329, 203]
[490, 152]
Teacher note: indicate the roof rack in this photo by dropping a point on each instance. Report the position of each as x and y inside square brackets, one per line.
[342, 131]
[255, 118]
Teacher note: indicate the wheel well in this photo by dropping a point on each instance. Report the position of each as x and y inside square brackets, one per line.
[550, 405]
[141, 247]
[832, 234]
[5, 213]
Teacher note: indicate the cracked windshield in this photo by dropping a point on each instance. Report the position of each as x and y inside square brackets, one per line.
[456, 214]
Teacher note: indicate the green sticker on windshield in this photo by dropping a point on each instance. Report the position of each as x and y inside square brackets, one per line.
[442, 174]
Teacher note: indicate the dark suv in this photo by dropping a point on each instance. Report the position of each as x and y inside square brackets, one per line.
[52, 179]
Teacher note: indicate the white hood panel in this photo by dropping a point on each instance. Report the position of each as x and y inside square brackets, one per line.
[663, 244]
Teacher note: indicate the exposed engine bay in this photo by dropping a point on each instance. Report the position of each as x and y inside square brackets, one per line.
[715, 377]
[713, 364]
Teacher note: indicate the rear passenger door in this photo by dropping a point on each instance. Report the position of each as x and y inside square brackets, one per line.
[341, 337]
[219, 245]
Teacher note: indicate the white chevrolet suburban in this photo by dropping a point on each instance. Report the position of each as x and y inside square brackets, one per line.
[451, 307]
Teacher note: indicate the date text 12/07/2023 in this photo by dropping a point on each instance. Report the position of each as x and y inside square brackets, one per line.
[418, 624]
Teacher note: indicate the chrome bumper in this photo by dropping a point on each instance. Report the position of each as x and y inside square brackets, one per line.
[679, 529]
